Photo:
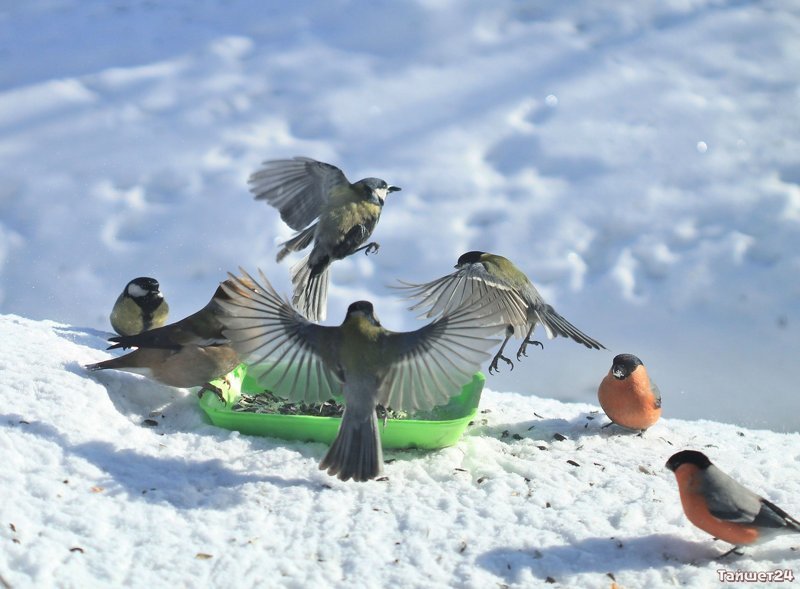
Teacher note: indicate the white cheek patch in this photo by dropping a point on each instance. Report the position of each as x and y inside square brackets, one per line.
[137, 291]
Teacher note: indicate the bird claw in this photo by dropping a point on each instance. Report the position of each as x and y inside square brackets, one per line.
[208, 387]
[371, 248]
[524, 347]
[493, 365]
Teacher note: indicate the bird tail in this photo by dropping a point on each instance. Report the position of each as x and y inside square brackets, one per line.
[112, 364]
[310, 289]
[300, 241]
[787, 520]
[555, 325]
[356, 453]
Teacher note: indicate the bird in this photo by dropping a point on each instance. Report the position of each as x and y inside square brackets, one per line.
[188, 353]
[719, 505]
[370, 365]
[628, 395]
[140, 306]
[319, 202]
[479, 275]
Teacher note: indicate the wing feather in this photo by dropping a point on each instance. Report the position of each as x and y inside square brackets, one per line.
[285, 352]
[464, 287]
[432, 363]
[298, 188]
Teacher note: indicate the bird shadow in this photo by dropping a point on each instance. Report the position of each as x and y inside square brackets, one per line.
[132, 394]
[594, 555]
[85, 336]
[180, 481]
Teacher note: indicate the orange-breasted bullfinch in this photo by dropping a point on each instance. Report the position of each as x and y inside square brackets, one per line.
[627, 394]
[717, 504]
[188, 353]
[304, 191]
[479, 275]
[140, 306]
[370, 365]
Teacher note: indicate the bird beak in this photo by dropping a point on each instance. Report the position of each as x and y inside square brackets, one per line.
[393, 189]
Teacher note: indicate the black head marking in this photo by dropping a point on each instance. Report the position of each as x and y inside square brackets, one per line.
[374, 183]
[472, 257]
[146, 283]
[364, 307]
[144, 291]
[375, 189]
[623, 365]
[699, 459]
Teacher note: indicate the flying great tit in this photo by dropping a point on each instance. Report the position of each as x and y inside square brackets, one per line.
[188, 353]
[304, 191]
[141, 306]
[481, 274]
[372, 366]
[719, 505]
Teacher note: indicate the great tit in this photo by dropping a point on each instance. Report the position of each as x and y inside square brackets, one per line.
[475, 271]
[304, 191]
[141, 306]
[719, 505]
[372, 366]
[188, 353]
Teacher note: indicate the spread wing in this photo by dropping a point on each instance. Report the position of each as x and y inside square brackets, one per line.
[298, 188]
[434, 362]
[467, 285]
[284, 351]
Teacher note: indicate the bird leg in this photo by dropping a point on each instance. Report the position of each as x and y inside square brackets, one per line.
[370, 248]
[737, 550]
[211, 388]
[380, 409]
[499, 354]
[521, 352]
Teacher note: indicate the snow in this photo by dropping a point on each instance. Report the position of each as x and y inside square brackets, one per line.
[95, 497]
[638, 161]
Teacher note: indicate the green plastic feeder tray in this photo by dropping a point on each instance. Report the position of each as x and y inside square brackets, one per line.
[398, 433]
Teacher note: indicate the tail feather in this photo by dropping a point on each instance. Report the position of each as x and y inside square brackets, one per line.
[310, 290]
[783, 518]
[298, 242]
[556, 325]
[356, 453]
[97, 366]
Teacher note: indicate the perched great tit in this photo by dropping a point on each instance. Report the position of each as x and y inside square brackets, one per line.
[188, 353]
[481, 274]
[303, 361]
[628, 395]
[305, 190]
[719, 505]
[140, 307]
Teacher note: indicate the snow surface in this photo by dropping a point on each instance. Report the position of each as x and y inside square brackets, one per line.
[93, 497]
[639, 161]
